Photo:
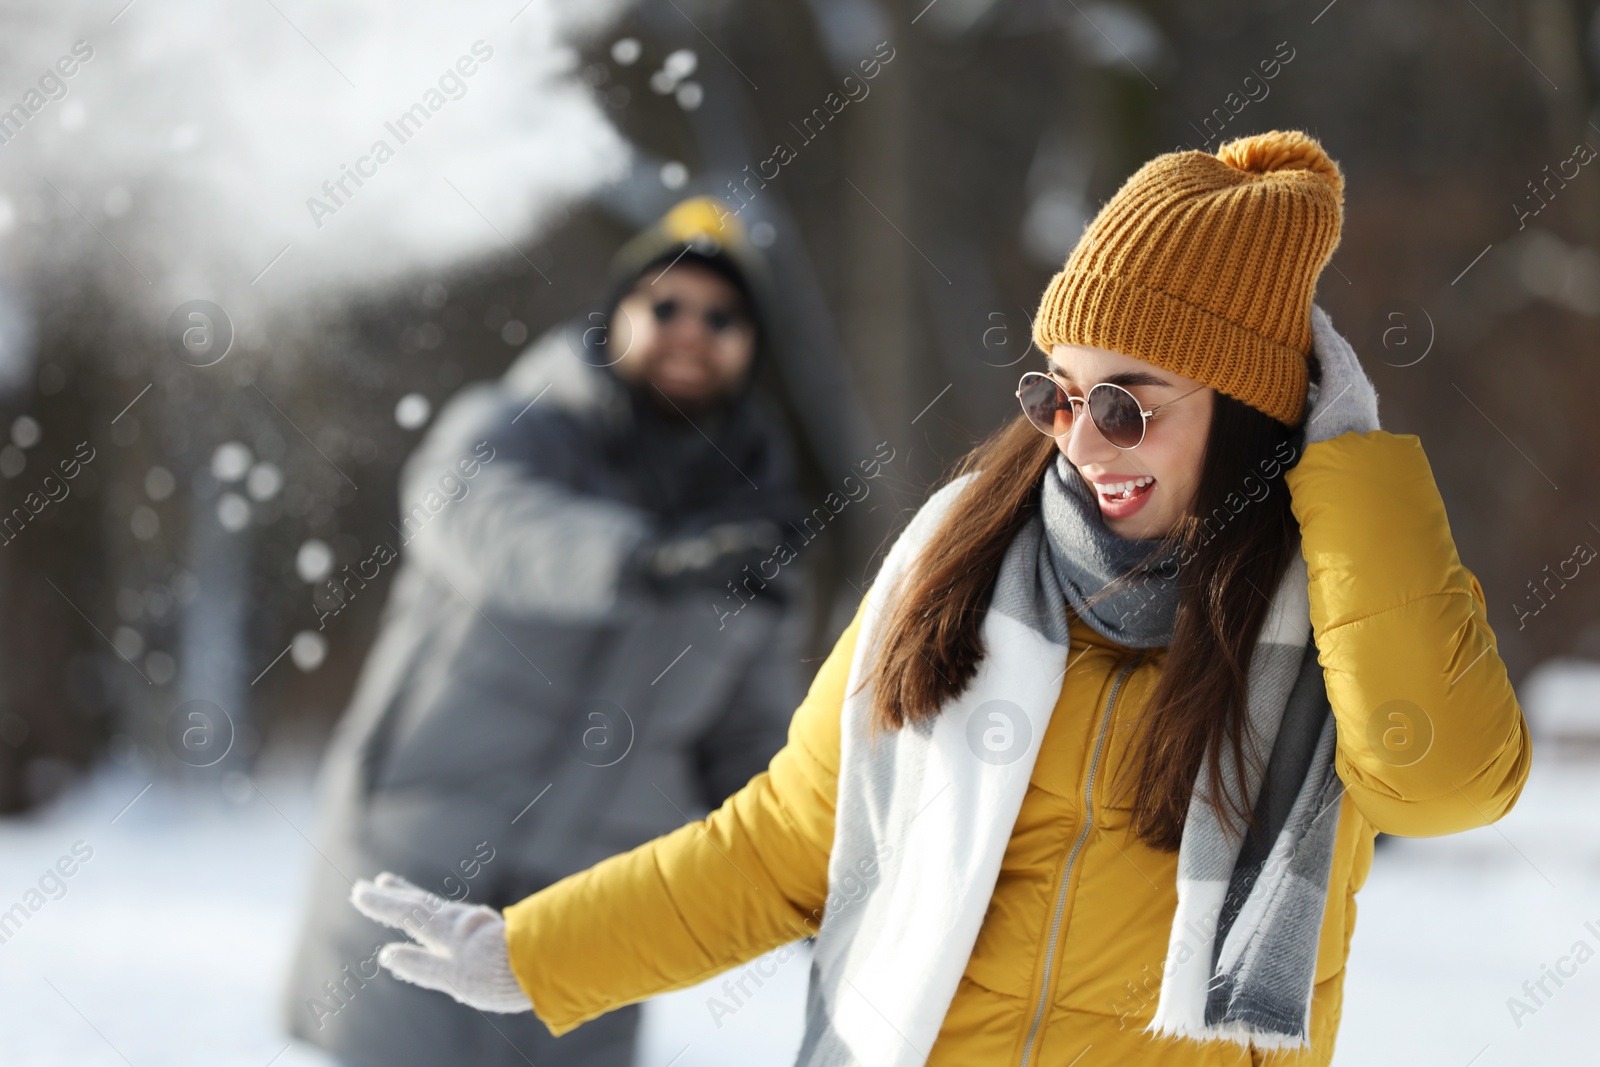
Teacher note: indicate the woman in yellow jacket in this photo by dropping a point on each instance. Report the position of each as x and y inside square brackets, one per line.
[1095, 772]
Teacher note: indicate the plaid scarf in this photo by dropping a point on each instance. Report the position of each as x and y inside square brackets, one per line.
[924, 815]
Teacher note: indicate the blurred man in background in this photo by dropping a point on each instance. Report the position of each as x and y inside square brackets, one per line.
[578, 654]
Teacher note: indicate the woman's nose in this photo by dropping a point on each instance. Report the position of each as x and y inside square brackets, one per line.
[1084, 443]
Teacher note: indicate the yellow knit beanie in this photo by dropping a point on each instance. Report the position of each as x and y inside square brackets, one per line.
[1206, 265]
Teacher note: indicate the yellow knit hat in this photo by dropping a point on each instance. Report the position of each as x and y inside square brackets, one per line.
[1206, 265]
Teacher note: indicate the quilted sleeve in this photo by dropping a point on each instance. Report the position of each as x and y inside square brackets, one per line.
[1432, 739]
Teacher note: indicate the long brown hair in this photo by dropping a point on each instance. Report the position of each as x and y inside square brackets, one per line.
[1232, 549]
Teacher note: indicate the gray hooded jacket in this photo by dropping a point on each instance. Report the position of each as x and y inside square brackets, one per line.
[529, 707]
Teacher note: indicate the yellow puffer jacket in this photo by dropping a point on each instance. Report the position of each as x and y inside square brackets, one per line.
[1070, 952]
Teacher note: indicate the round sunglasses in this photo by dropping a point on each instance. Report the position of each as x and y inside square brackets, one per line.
[1114, 411]
[717, 320]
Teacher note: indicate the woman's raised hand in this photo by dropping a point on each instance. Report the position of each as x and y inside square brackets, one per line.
[1346, 399]
[460, 949]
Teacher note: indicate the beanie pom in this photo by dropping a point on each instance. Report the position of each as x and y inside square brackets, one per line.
[1264, 153]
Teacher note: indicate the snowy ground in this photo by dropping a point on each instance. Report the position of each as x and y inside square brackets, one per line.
[1450, 928]
[168, 943]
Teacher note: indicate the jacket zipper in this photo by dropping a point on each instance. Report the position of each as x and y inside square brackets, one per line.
[1072, 859]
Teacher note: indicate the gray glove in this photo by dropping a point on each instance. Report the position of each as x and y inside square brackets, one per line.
[1345, 399]
[461, 948]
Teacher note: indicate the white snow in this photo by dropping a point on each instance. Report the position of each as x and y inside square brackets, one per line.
[1450, 928]
[1561, 698]
[205, 142]
[170, 943]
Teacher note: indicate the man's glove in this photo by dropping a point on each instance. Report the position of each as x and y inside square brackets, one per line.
[709, 557]
[461, 948]
[1345, 399]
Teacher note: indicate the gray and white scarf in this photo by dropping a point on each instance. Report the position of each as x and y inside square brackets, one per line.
[924, 813]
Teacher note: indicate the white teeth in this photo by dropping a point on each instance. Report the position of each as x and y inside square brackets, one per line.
[1121, 488]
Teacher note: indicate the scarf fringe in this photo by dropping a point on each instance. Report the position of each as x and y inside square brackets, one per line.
[1236, 1033]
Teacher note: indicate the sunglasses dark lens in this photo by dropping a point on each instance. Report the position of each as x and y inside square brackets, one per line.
[1046, 405]
[1116, 415]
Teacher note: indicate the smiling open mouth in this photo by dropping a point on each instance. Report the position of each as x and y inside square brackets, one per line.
[1122, 492]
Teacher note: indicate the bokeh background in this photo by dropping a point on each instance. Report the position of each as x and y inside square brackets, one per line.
[910, 234]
